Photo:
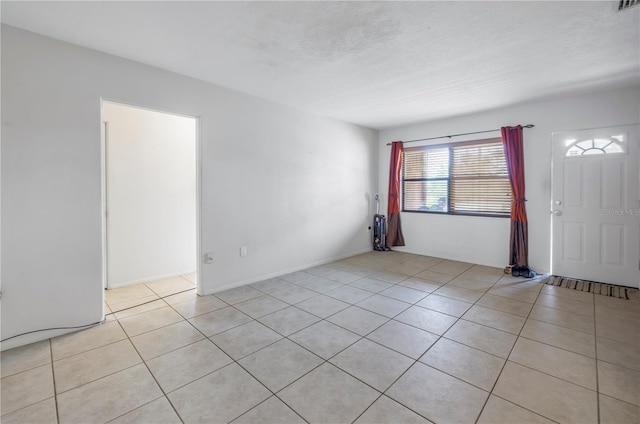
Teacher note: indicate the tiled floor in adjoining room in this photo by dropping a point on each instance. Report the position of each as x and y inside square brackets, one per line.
[383, 337]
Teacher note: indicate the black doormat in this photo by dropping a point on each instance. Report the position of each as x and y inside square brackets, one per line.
[611, 290]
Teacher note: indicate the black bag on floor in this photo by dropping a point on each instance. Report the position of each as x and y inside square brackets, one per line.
[379, 232]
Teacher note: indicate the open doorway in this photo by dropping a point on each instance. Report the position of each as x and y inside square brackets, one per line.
[150, 197]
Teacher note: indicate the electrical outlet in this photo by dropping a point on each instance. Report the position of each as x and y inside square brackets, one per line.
[243, 251]
[207, 258]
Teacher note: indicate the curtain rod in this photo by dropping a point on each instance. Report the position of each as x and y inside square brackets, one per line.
[458, 135]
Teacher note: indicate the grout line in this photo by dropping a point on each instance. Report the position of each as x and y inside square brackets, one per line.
[595, 342]
[53, 377]
[164, 394]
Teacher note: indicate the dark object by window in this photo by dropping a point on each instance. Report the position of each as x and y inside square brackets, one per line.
[468, 178]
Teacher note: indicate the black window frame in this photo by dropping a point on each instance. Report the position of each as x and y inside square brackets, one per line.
[449, 210]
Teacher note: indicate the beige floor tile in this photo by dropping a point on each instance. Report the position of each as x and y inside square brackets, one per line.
[388, 276]
[43, 412]
[322, 270]
[618, 353]
[280, 364]
[466, 363]
[245, 339]
[426, 319]
[483, 273]
[220, 320]
[192, 277]
[615, 304]
[564, 338]
[446, 305]
[26, 388]
[438, 396]
[424, 261]
[318, 284]
[450, 267]
[569, 366]
[166, 339]
[169, 286]
[184, 365]
[420, 284]
[499, 411]
[517, 293]
[495, 319]
[322, 306]
[358, 320]
[403, 338]
[298, 276]
[198, 306]
[372, 363]
[152, 320]
[618, 382]
[260, 306]
[272, 285]
[547, 395]
[563, 318]
[86, 367]
[238, 294]
[504, 304]
[132, 303]
[109, 397]
[510, 280]
[484, 338]
[294, 295]
[289, 320]
[386, 410]
[436, 277]
[135, 310]
[383, 305]
[371, 284]
[404, 294]
[271, 411]
[616, 327]
[82, 341]
[324, 339]
[336, 396]
[24, 358]
[620, 316]
[235, 393]
[465, 295]
[566, 304]
[125, 294]
[157, 412]
[614, 411]
[471, 284]
[405, 269]
[343, 277]
[181, 297]
[349, 294]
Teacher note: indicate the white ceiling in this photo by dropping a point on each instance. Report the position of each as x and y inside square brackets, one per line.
[378, 64]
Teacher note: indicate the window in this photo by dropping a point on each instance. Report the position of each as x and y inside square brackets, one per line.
[468, 178]
[596, 146]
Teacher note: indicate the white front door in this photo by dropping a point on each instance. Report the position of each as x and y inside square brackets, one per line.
[595, 191]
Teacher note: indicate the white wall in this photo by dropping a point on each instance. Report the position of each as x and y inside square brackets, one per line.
[151, 194]
[486, 240]
[294, 188]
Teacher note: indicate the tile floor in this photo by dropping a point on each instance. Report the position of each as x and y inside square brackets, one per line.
[384, 337]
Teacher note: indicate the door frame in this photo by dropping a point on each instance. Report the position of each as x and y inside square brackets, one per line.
[103, 176]
[553, 176]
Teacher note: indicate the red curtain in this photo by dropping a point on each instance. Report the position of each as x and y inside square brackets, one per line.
[394, 232]
[519, 240]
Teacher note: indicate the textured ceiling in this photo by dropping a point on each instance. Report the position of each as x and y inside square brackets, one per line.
[378, 64]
